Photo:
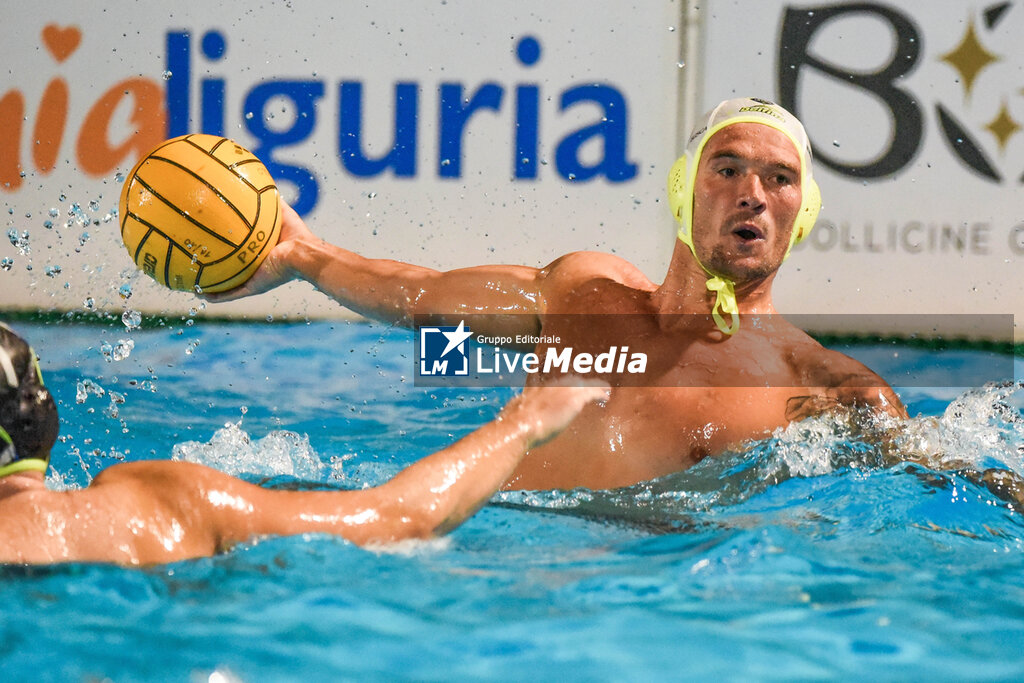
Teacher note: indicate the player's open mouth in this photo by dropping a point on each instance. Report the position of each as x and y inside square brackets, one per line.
[748, 233]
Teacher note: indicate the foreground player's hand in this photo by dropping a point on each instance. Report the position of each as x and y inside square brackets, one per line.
[547, 409]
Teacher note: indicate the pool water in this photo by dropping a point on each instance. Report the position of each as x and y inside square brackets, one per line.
[808, 555]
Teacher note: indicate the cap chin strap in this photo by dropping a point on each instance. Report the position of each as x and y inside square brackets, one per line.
[26, 465]
[9, 455]
[725, 302]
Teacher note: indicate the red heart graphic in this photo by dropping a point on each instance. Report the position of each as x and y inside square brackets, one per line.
[61, 42]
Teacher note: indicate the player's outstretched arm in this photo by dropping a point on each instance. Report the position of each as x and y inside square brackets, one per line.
[388, 290]
[430, 497]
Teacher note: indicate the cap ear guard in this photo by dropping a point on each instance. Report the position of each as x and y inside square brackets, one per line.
[809, 209]
[677, 187]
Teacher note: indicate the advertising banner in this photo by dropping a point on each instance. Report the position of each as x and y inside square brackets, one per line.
[915, 111]
[445, 133]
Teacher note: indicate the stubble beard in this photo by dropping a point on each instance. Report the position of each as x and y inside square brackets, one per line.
[724, 265]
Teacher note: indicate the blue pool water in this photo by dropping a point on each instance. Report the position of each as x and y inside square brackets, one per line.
[808, 555]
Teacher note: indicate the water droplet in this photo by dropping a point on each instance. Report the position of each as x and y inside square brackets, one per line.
[131, 319]
[52, 271]
[6, 263]
[123, 350]
[19, 240]
[89, 303]
[125, 291]
[167, 74]
[54, 212]
[85, 388]
[78, 215]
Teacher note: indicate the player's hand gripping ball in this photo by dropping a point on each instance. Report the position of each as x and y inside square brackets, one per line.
[199, 211]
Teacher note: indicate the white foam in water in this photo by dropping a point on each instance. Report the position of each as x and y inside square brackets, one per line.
[233, 451]
[984, 428]
[981, 429]
[807, 447]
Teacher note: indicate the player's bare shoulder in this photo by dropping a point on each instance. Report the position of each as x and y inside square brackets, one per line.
[169, 481]
[582, 268]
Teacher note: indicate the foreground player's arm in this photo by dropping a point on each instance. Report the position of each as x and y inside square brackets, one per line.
[430, 497]
[394, 291]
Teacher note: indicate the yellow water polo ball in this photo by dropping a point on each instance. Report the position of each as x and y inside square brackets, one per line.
[199, 212]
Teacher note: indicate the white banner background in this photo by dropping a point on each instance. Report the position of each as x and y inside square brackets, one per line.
[483, 215]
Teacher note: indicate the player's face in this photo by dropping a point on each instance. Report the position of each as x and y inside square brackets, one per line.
[747, 195]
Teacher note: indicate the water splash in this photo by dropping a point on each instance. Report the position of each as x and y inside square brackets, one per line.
[232, 450]
[981, 429]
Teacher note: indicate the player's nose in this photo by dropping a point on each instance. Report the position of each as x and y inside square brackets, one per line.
[751, 193]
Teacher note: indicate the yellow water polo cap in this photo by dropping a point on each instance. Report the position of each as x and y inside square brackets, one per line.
[682, 181]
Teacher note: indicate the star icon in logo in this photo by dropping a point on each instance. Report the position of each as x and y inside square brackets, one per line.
[456, 337]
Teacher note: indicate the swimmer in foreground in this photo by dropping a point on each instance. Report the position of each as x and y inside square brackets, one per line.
[743, 194]
[154, 512]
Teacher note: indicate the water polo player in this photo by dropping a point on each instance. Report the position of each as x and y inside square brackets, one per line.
[151, 512]
[744, 194]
